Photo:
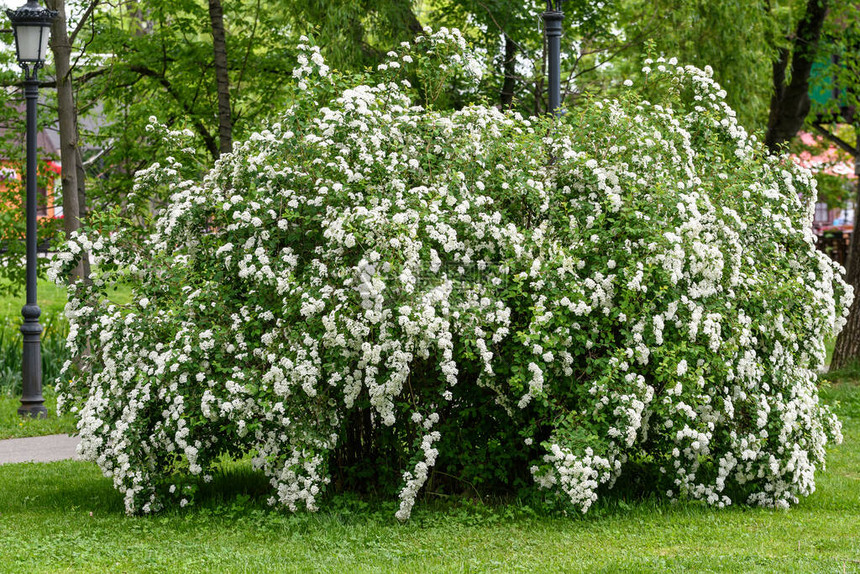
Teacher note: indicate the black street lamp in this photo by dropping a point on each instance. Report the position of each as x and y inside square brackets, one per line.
[32, 26]
[552, 19]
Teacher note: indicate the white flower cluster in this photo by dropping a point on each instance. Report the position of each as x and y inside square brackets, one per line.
[461, 58]
[310, 62]
[578, 477]
[652, 291]
[416, 478]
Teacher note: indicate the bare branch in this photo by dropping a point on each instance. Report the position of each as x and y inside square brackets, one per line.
[502, 30]
[618, 50]
[101, 152]
[238, 90]
[208, 140]
[841, 143]
[82, 79]
[87, 13]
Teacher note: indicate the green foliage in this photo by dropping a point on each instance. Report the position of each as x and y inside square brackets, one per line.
[839, 66]
[738, 39]
[54, 353]
[13, 200]
[604, 43]
[355, 34]
[834, 190]
[155, 59]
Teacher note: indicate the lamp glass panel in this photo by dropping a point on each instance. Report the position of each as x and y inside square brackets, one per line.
[32, 42]
[43, 50]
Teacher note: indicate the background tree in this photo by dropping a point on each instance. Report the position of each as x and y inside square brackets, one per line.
[605, 43]
[73, 178]
[354, 33]
[790, 102]
[842, 51]
[222, 77]
[12, 166]
[159, 62]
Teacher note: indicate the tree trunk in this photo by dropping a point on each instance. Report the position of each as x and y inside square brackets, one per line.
[847, 349]
[509, 67]
[67, 111]
[222, 79]
[412, 23]
[778, 74]
[790, 104]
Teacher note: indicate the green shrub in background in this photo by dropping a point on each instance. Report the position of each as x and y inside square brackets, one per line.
[370, 295]
[54, 352]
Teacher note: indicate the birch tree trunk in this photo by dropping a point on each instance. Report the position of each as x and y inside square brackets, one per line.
[509, 68]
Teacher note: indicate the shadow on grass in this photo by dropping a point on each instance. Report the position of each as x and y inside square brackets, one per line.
[40, 487]
[238, 493]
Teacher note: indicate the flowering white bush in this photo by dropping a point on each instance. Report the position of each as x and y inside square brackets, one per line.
[635, 282]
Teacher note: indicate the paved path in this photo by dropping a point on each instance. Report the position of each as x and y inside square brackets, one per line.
[38, 449]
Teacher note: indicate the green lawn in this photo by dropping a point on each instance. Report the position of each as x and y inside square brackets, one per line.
[13, 426]
[51, 299]
[65, 517]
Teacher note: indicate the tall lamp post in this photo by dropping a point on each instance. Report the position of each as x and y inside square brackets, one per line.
[552, 19]
[32, 26]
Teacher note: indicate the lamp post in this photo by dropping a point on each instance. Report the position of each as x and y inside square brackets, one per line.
[32, 26]
[552, 19]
